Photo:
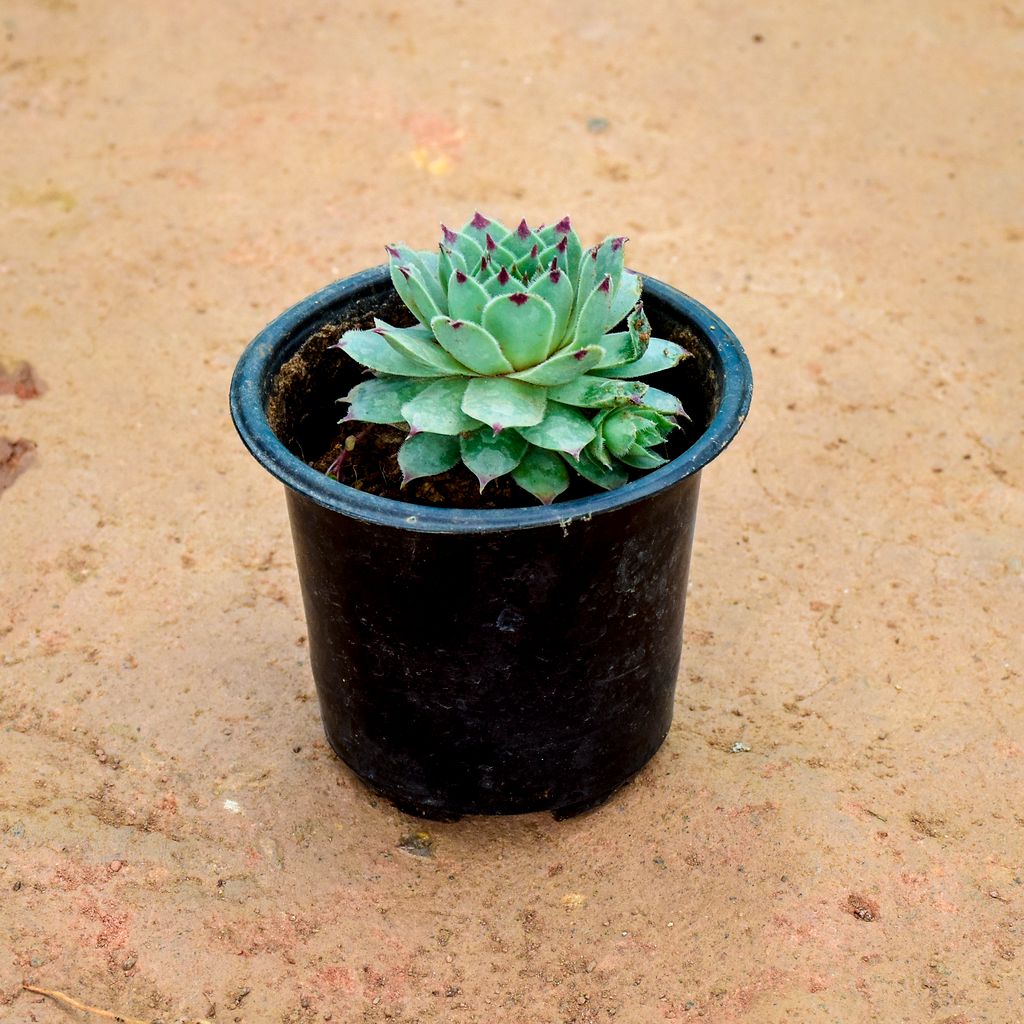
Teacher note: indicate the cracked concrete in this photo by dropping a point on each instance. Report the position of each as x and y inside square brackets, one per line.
[841, 183]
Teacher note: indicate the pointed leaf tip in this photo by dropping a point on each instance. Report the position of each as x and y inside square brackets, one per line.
[519, 298]
[563, 245]
[606, 284]
[450, 236]
[479, 221]
[581, 354]
[535, 251]
[405, 272]
[461, 277]
[503, 275]
[555, 274]
[564, 226]
[523, 231]
[392, 251]
[491, 243]
[497, 428]
[456, 324]
[618, 243]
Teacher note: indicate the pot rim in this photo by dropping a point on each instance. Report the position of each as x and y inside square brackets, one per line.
[262, 358]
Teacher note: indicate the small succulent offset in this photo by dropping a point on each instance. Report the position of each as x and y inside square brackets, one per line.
[514, 366]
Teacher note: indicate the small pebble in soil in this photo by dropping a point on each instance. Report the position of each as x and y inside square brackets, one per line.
[114, 866]
[597, 125]
[739, 748]
[418, 844]
[129, 963]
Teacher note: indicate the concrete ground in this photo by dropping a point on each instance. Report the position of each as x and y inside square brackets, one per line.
[841, 182]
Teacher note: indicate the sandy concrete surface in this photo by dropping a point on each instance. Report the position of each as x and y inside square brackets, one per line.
[841, 182]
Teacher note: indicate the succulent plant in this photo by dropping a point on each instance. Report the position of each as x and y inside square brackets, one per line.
[514, 365]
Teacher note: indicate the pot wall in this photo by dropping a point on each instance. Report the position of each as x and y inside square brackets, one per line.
[497, 673]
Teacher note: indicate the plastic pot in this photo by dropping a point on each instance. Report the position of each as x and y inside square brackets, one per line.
[491, 661]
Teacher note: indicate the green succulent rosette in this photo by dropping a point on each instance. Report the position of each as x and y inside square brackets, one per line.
[514, 364]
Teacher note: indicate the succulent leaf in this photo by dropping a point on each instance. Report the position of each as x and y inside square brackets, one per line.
[466, 297]
[640, 458]
[489, 455]
[523, 325]
[562, 242]
[602, 476]
[639, 328]
[600, 261]
[563, 429]
[478, 227]
[521, 240]
[663, 402]
[592, 392]
[620, 348]
[438, 408]
[627, 295]
[562, 367]
[380, 400]
[448, 261]
[372, 350]
[471, 345]
[619, 433]
[660, 355]
[554, 287]
[502, 282]
[469, 251]
[502, 402]
[418, 343]
[594, 314]
[427, 455]
[426, 267]
[543, 474]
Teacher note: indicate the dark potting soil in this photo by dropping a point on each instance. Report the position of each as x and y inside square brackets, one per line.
[303, 410]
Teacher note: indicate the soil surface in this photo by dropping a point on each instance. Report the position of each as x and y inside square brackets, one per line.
[833, 830]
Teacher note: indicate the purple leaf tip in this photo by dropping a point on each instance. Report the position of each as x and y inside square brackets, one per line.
[392, 251]
[485, 262]
[637, 399]
[519, 298]
[563, 245]
[534, 252]
[618, 243]
[606, 284]
[405, 272]
[593, 253]
[484, 481]
[449, 236]
[497, 428]
[582, 354]
[523, 231]
[563, 227]
[556, 274]
[479, 221]
[491, 244]
[413, 431]
[460, 277]
[456, 324]
[503, 275]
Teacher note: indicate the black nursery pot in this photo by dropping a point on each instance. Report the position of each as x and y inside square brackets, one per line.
[491, 661]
